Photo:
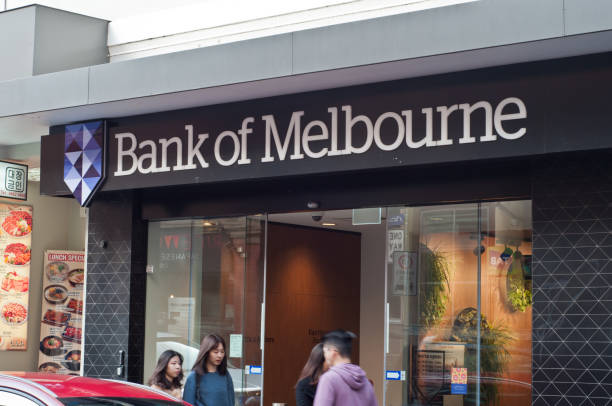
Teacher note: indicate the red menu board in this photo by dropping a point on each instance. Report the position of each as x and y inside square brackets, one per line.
[15, 251]
[62, 312]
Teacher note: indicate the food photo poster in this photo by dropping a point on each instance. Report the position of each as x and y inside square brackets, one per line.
[15, 248]
[62, 312]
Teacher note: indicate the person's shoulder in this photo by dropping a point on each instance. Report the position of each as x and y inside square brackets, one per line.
[191, 376]
[328, 377]
[303, 383]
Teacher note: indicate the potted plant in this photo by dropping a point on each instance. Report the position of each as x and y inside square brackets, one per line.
[517, 288]
[494, 356]
[434, 291]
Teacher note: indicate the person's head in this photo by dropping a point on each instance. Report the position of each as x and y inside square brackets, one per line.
[337, 346]
[168, 372]
[315, 366]
[212, 354]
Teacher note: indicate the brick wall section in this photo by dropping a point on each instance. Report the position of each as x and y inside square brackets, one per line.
[572, 280]
[114, 316]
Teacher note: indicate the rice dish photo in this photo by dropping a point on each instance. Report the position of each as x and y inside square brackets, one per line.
[17, 254]
[14, 313]
[56, 294]
[50, 367]
[52, 345]
[18, 223]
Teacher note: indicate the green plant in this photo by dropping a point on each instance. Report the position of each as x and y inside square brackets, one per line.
[434, 292]
[494, 356]
[519, 298]
[518, 292]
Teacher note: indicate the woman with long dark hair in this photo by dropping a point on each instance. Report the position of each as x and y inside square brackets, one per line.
[168, 373]
[309, 378]
[209, 383]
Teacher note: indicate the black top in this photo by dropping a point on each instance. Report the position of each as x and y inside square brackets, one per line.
[305, 392]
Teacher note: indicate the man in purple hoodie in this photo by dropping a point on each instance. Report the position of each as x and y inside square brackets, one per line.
[344, 384]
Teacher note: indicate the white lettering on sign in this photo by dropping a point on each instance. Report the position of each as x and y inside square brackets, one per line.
[317, 138]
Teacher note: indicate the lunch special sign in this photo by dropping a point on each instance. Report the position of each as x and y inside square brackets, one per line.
[62, 312]
[15, 248]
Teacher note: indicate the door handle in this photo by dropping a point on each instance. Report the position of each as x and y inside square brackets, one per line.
[387, 328]
[262, 327]
[121, 366]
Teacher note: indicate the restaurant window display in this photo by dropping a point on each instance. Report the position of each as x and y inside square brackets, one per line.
[459, 304]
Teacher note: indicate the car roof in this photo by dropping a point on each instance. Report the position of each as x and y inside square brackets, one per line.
[68, 386]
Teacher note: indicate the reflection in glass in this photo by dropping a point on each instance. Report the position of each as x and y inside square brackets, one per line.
[459, 304]
[207, 277]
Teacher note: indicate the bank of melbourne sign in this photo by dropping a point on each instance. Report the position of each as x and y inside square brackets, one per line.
[314, 139]
[493, 114]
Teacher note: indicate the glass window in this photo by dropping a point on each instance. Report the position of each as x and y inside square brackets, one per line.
[459, 305]
[206, 276]
[12, 398]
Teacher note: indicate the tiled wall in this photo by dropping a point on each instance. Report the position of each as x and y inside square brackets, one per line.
[572, 271]
[114, 314]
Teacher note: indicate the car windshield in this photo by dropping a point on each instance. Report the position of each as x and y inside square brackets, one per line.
[110, 401]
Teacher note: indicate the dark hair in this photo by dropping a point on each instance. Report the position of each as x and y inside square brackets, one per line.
[314, 366]
[342, 340]
[210, 342]
[159, 374]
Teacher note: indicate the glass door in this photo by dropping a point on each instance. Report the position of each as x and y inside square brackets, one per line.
[431, 280]
[208, 276]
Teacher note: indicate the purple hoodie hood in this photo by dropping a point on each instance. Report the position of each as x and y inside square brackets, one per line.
[354, 376]
[345, 385]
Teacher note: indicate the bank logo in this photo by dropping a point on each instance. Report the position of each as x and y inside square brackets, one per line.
[84, 159]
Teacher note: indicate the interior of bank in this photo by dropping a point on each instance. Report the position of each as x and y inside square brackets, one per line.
[439, 297]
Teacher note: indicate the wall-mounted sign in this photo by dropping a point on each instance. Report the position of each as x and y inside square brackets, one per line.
[61, 328]
[395, 240]
[396, 220]
[15, 255]
[13, 180]
[253, 370]
[405, 273]
[395, 375]
[440, 119]
[84, 159]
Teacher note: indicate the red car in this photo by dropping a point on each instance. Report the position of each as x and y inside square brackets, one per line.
[43, 389]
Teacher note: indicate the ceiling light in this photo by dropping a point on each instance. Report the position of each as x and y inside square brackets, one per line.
[207, 224]
[328, 224]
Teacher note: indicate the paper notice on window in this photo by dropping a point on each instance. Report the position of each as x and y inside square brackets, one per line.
[235, 348]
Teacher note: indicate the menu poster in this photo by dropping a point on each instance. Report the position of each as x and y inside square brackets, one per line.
[62, 312]
[15, 246]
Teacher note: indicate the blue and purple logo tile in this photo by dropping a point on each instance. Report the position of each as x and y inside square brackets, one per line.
[84, 159]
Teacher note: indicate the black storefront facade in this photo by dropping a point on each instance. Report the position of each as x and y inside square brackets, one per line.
[538, 132]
